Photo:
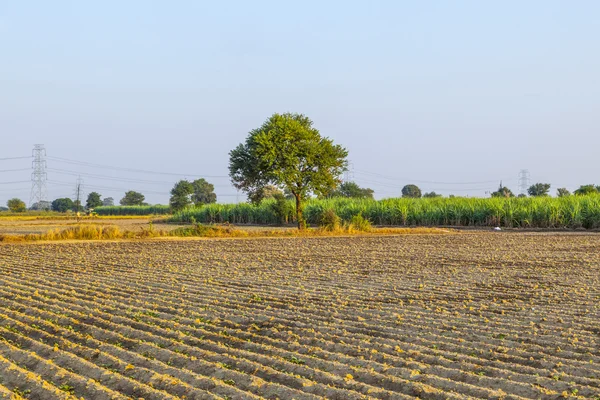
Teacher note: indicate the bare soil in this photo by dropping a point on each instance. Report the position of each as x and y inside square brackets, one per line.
[478, 315]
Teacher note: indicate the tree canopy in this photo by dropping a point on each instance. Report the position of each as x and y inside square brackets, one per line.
[132, 198]
[352, 190]
[16, 205]
[93, 200]
[411, 191]
[63, 205]
[539, 189]
[203, 192]
[503, 191]
[562, 192]
[586, 189]
[431, 195]
[288, 152]
[180, 195]
[41, 206]
[108, 201]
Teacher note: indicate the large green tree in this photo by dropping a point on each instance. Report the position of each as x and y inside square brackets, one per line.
[411, 191]
[352, 190]
[562, 192]
[93, 200]
[180, 195]
[203, 192]
[539, 189]
[132, 198]
[288, 152]
[16, 205]
[63, 205]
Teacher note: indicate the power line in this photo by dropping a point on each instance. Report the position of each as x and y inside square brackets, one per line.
[423, 181]
[10, 183]
[15, 170]
[14, 158]
[143, 171]
[111, 178]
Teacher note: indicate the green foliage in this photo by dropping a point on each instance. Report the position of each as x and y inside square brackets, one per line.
[430, 195]
[16, 205]
[63, 205]
[108, 202]
[132, 198]
[503, 191]
[203, 192]
[528, 212]
[2, 208]
[281, 208]
[93, 200]
[265, 192]
[180, 195]
[586, 190]
[352, 190]
[539, 189]
[411, 191]
[287, 151]
[41, 206]
[562, 192]
[133, 210]
[360, 223]
[329, 220]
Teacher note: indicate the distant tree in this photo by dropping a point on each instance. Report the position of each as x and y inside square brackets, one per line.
[63, 205]
[586, 189]
[562, 192]
[288, 152]
[521, 195]
[503, 191]
[132, 198]
[203, 192]
[352, 190]
[41, 206]
[539, 189]
[16, 205]
[411, 191]
[93, 200]
[108, 202]
[2, 208]
[432, 195]
[181, 195]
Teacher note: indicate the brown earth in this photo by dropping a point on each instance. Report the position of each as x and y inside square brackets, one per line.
[479, 315]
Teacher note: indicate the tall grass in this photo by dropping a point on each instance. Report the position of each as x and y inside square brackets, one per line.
[531, 212]
[133, 210]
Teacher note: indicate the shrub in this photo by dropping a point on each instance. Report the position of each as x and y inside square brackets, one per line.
[360, 223]
[330, 221]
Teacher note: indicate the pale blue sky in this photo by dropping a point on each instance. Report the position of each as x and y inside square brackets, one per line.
[440, 91]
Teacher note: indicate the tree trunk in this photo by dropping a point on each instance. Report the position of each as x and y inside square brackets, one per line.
[299, 216]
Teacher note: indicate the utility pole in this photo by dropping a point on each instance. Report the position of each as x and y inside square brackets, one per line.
[349, 173]
[39, 192]
[78, 195]
[524, 181]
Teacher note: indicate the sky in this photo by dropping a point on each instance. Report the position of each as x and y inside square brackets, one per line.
[451, 95]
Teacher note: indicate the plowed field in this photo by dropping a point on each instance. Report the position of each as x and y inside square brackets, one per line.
[507, 315]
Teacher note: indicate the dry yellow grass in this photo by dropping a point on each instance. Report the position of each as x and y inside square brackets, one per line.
[111, 232]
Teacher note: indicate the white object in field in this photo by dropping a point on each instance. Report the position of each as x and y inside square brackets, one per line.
[497, 228]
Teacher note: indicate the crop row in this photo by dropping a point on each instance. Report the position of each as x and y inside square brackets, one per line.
[460, 316]
[564, 212]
